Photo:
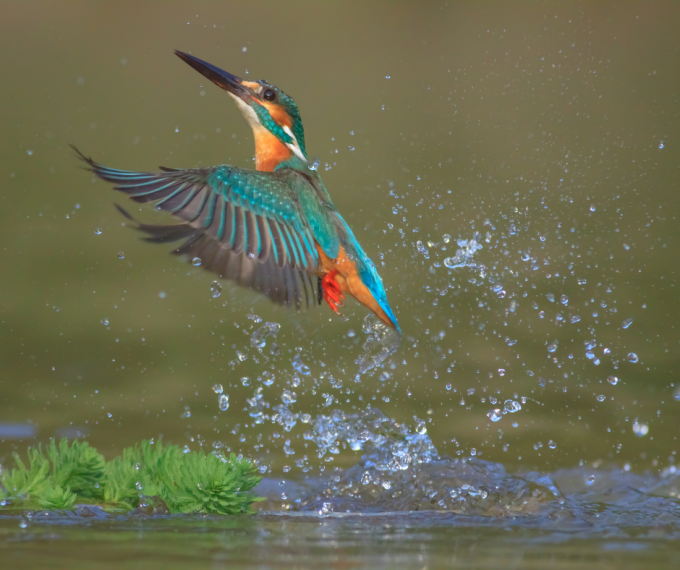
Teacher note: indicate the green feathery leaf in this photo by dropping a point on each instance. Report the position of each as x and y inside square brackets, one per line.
[57, 498]
[62, 475]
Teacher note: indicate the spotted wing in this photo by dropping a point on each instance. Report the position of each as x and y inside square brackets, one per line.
[244, 225]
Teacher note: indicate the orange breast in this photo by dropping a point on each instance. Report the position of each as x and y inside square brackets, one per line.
[269, 151]
[349, 281]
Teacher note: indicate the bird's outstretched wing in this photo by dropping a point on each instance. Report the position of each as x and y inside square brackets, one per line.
[244, 225]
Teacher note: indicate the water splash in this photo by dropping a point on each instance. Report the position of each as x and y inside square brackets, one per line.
[381, 342]
[463, 256]
[259, 338]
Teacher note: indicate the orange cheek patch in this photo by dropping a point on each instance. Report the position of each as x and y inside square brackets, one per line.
[278, 114]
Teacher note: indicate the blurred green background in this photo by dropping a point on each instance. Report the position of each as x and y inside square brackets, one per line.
[551, 128]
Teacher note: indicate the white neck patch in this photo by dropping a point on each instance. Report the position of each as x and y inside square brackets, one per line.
[294, 146]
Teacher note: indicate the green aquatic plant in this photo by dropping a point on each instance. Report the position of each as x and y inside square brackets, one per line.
[57, 497]
[63, 475]
[207, 483]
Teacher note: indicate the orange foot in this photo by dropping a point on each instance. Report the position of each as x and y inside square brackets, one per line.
[331, 291]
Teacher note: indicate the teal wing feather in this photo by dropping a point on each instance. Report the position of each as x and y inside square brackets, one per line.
[244, 225]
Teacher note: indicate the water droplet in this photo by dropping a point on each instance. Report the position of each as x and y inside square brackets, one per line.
[676, 396]
[626, 246]
[268, 378]
[241, 355]
[98, 231]
[494, 415]
[244, 49]
[449, 386]
[551, 297]
[105, 322]
[512, 406]
[420, 426]
[423, 250]
[387, 76]
[613, 380]
[574, 319]
[661, 145]
[446, 238]
[223, 402]
[217, 388]
[552, 444]
[300, 366]
[314, 164]
[245, 380]
[216, 289]
[186, 413]
[138, 485]
[592, 207]
[601, 398]
[564, 299]
[23, 522]
[121, 255]
[288, 397]
[552, 347]
[632, 357]
[196, 261]
[162, 294]
[625, 324]
[639, 428]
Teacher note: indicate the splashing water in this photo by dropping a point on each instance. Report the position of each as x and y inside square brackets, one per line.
[381, 343]
[259, 338]
[402, 471]
[463, 256]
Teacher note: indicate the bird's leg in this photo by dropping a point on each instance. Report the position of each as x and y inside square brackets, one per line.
[331, 291]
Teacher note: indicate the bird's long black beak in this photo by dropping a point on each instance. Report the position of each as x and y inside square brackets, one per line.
[218, 76]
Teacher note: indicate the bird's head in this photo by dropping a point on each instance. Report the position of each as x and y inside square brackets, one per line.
[273, 115]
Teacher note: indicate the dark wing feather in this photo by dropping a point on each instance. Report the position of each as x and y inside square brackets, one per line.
[243, 225]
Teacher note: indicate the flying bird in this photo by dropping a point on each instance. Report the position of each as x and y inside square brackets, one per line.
[274, 229]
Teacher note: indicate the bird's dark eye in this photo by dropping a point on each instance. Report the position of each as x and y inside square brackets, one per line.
[269, 95]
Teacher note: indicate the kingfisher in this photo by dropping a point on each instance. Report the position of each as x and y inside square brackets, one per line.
[274, 229]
